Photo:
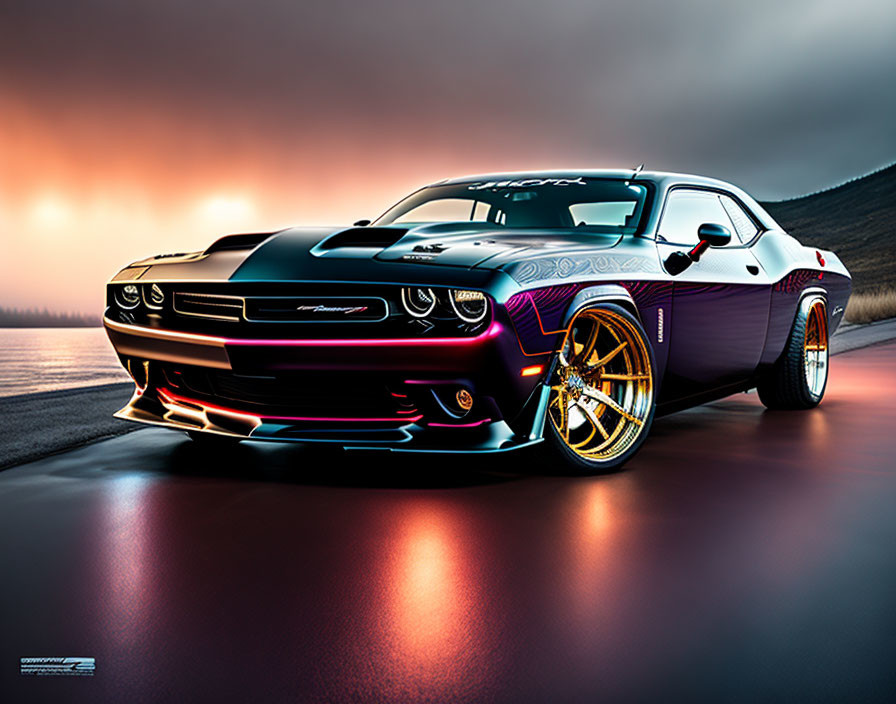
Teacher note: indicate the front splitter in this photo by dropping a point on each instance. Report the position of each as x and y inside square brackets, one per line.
[495, 436]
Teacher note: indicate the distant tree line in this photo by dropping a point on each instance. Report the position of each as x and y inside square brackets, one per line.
[35, 318]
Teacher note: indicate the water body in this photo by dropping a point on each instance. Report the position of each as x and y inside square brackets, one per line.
[47, 359]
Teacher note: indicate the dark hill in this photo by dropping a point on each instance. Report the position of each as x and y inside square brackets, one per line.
[856, 220]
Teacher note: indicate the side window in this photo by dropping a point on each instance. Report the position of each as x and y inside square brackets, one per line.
[743, 225]
[686, 211]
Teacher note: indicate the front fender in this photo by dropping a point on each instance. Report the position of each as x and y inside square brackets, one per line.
[601, 293]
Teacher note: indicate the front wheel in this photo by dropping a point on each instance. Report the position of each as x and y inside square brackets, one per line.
[799, 377]
[602, 396]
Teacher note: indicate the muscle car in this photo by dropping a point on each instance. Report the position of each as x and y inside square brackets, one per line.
[484, 314]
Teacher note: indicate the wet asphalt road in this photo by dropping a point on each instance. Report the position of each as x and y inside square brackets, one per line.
[743, 555]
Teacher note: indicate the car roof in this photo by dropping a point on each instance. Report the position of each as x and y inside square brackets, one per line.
[656, 176]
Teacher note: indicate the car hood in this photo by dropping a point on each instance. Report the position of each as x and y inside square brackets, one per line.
[448, 245]
[456, 245]
[394, 253]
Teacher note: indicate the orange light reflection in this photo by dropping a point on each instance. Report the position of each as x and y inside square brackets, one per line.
[433, 623]
[127, 559]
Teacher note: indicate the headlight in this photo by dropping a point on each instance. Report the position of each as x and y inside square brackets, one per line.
[155, 297]
[469, 306]
[419, 302]
[127, 296]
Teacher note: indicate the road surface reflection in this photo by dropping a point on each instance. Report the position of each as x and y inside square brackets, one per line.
[742, 551]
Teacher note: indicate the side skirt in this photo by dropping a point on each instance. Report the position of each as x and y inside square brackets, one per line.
[681, 404]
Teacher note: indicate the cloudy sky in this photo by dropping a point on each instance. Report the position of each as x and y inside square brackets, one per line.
[128, 128]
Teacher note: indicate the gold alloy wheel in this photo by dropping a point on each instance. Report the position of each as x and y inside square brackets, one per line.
[815, 348]
[602, 389]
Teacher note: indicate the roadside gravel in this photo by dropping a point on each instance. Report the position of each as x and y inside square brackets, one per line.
[35, 425]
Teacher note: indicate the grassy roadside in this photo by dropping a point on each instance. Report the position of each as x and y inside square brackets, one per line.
[868, 307]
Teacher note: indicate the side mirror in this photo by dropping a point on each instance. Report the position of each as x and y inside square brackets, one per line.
[713, 235]
[365, 223]
[710, 236]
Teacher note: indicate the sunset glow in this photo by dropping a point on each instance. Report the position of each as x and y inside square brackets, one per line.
[158, 127]
[70, 218]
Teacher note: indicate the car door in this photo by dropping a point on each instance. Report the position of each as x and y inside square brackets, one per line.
[720, 304]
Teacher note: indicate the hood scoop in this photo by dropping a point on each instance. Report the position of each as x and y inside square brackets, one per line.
[366, 237]
[238, 242]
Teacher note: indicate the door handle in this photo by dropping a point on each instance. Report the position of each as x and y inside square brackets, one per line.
[754, 270]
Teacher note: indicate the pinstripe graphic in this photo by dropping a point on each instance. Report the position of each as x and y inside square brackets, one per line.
[537, 315]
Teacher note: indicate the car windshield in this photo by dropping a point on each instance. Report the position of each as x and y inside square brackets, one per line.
[600, 205]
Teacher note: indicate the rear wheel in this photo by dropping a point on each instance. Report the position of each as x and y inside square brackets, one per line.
[799, 377]
[602, 392]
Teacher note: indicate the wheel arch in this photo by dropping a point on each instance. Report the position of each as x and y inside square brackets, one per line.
[807, 295]
[597, 294]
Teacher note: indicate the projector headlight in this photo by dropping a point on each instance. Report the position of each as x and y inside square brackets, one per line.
[155, 296]
[419, 302]
[127, 296]
[469, 306]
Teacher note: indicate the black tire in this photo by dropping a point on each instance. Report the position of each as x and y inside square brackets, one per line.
[786, 384]
[213, 440]
[561, 458]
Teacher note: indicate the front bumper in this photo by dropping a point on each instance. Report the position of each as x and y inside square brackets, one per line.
[504, 416]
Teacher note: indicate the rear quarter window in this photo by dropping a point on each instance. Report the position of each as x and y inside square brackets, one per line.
[744, 227]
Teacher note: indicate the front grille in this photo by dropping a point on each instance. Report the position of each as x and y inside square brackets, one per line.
[202, 305]
[311, 395]
[308, 309]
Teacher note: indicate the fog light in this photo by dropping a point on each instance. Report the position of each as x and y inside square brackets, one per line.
[534, 370]
[464, 399]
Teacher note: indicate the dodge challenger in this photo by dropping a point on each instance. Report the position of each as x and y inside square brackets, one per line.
[484, 314]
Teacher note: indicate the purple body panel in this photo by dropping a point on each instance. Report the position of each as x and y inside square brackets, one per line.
[717, 337]
[712, 335]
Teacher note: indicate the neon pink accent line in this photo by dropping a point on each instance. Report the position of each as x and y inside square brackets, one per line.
[208, 406]
[460, 425]
[174, 398]
[493, 330]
